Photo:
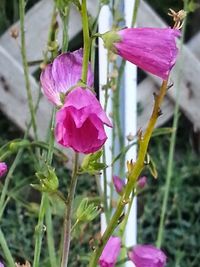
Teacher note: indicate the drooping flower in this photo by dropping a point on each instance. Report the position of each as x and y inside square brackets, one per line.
[147, 256]
[152, 49]
[65, 71]
[80, 122]
[118, 183]
[3, 168]
[110, 253]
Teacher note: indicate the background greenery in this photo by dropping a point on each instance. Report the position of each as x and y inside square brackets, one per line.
[182, 235]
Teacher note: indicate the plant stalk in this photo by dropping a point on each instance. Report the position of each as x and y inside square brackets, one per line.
[68, 215]
[86, 40]
[25, 66]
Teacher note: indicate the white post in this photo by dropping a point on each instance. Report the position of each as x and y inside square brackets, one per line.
[130, 103]
[104, 26]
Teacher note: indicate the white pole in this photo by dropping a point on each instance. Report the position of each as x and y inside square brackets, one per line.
[104, 26]
[130, 103]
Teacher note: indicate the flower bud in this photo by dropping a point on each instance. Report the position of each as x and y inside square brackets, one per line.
[147, 255]
[110, 253]
[118, 184]
[142, 182]
[3, 168]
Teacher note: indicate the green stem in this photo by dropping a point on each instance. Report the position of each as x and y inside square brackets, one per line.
[25, 66]
[68, 215]
[133, 174]
[45, 208]
[86, 40]
[135, 12]
[7, 181]
[51, 138]
[6, 250]
[65, 37]
[39, 231]
[171, 150]
[50, 239]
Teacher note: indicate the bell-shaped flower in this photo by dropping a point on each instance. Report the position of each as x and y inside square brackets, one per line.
[147, 256]
[80, 122]
[62, 74]
[110, 253]
[3, 168]
[152, 49]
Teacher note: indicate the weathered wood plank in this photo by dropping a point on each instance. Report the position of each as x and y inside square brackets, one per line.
[194, 45]
[188, 66]
[13, 100]
[37, 21]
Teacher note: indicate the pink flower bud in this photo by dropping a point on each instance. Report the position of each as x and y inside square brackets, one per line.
[3, 168]
[142, 182]
[80, 122]
[110, 253]
[152, 49]
[147, 256]
[118, 184]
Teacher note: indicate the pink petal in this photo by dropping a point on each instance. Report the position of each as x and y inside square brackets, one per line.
[110, 253]
[3, 168]
[48, 86]
[67, 70]
[84, 98]
[62, 74]
[147, 256]
[152, 49]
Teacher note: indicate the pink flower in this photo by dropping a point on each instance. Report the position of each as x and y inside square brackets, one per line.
[1, 264]
[152, 49]
[118, 184]
[142, 182]
[80, 122]
[65, 71]
[147, 256]
[110, 253]
[3, 168]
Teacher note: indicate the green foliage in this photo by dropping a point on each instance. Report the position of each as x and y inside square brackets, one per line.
[181, 242]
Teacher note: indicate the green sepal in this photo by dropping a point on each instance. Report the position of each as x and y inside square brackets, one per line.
[109, 39]
[48, 180]
[91, 163]
[86, 211]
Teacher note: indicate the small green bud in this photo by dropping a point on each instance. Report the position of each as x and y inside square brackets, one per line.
[16, 145]
[86, 212]
[48, 180]
[91, 163]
